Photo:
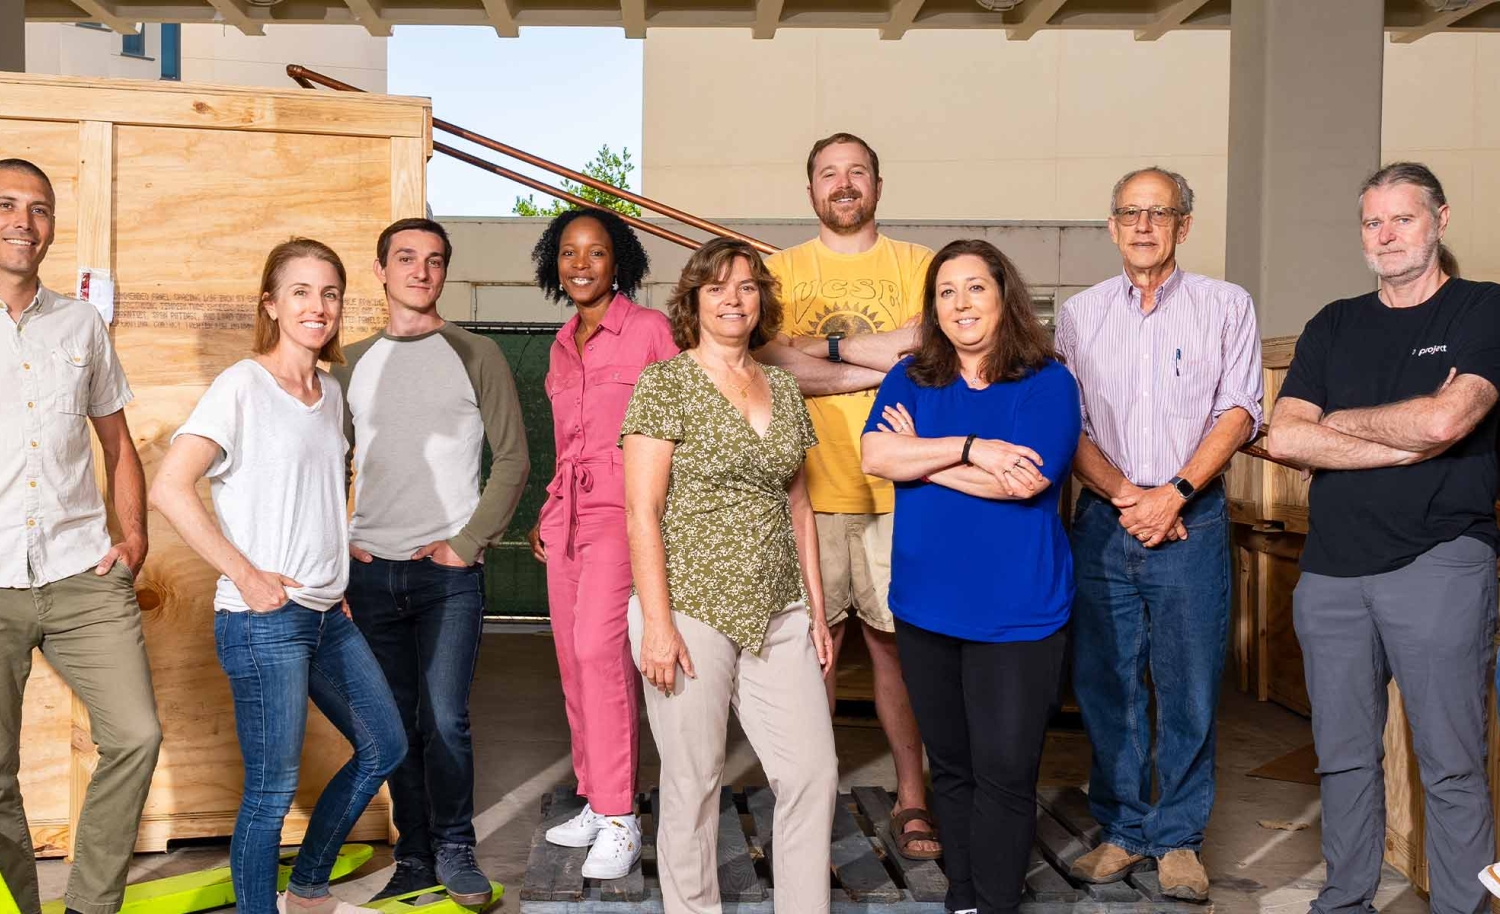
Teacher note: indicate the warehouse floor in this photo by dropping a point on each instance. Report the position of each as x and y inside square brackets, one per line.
[522, 751]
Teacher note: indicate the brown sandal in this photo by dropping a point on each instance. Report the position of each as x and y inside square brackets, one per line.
[904, 838]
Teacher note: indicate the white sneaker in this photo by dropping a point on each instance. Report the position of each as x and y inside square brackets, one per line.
[1490, 876]
[579, 831]
[616, 849]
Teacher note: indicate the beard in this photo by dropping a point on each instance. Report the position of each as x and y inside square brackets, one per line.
[847, 219]
[1407, 264]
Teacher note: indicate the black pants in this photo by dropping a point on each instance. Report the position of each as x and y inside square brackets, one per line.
[983, 710]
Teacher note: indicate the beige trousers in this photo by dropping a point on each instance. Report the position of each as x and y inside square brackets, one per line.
[89, 629]
[779, 698]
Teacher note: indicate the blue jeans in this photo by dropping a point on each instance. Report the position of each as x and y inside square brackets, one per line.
[1167, 610]
[275, 662]
[423, 621]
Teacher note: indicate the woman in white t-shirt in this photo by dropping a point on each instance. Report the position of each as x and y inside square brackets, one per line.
[269, 436]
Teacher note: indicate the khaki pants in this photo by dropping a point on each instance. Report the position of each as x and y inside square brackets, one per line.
[854, 553]
[778, 696]
[89, 628]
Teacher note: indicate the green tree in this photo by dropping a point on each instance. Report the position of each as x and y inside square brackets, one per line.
[608, 167]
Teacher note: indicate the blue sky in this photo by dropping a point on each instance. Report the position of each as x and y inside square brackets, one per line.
[556, 92]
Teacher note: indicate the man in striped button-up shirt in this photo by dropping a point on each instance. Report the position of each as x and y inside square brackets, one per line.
[1168, 364]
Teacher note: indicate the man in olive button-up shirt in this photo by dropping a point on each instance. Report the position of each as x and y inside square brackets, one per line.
[63, 587]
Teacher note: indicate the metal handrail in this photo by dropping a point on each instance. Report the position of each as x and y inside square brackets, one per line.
[306, 78]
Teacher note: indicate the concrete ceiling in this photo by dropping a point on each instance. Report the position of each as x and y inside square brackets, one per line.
[1405, 20]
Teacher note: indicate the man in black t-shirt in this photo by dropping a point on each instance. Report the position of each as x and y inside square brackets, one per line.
[1390, 400]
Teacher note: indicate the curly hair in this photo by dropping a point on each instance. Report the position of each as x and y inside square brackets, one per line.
[712, 263]
[1020, 347]
[631, 261]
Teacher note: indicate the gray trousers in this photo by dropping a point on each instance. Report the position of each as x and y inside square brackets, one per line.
[1431, 625]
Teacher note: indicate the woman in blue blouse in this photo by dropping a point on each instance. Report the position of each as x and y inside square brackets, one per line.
[977, 427]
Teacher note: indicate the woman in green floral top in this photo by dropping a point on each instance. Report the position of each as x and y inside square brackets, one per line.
[724, 552]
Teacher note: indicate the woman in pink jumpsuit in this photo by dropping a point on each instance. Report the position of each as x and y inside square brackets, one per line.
[592, 258]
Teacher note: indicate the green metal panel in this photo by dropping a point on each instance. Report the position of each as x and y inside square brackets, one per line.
[515, 582]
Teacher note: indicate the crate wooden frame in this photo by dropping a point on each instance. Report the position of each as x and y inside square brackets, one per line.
[112, 147]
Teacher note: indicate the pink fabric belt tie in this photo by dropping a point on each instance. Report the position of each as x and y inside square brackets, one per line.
[575, 477]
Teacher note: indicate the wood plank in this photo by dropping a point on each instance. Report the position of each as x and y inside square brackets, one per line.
[555, 873]
[1058, 845]
[1149, 884]
[924, 879]
[210, 107]
[632, 886]
[628, 888]
[762, 804]
[737, 877]
[96, 181]
[1044, 883]
[1070, 806]
[408, 178]
[860, 872]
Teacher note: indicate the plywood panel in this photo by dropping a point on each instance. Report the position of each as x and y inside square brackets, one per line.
[213, 107]
[54, 149]
[184, 217]
[183, 321]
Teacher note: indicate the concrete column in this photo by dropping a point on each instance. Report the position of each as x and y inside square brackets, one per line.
[1304, 131]
[13, 35]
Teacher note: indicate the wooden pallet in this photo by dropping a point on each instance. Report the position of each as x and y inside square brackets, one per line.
[868, 875]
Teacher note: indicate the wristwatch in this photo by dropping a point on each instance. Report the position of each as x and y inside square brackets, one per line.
[833, 347]
[1183, 487]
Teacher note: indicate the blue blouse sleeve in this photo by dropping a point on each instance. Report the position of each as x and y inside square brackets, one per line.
[1048, 420]
[896, 388]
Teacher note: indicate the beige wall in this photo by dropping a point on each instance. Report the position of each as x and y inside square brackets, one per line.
[972, 126]
[223, 54]
[214, 54]
[64, 49]
[493, 279]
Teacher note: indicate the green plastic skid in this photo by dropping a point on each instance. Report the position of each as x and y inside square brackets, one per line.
[200, 891]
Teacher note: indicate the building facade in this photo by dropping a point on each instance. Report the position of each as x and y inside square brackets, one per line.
[207, 53]
[972, 126]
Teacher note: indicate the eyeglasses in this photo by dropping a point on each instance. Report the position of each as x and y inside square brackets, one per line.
[1160, 215]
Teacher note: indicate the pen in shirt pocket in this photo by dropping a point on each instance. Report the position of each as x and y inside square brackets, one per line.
[1177, 365]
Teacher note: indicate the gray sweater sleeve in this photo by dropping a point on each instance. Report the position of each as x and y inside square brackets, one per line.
[500, 410]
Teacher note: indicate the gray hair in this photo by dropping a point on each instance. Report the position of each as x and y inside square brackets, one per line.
[1417, 175]
[1184, 193]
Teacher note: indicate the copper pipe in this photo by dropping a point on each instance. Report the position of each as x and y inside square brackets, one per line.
[545, 188]
[304, 76]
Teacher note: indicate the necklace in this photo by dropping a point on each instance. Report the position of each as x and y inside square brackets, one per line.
[742, 390]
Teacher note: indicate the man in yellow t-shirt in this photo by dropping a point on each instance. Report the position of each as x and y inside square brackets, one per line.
[851, 298]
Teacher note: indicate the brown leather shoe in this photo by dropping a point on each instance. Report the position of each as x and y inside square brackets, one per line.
[1182, 876]
[1105, 863]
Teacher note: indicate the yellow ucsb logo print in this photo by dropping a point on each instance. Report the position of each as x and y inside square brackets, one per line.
[847, 306]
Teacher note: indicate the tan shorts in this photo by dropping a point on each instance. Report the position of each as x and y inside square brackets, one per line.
[855, 556]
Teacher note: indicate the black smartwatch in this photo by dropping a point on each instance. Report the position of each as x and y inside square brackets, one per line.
[1183, 487]
[833, 347]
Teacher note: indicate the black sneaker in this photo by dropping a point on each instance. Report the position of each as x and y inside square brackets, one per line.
[460, 875]
[412, 875]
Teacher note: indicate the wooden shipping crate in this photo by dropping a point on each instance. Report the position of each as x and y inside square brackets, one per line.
[180, 192]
